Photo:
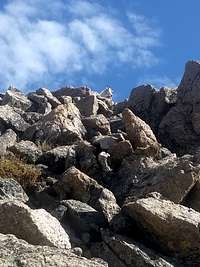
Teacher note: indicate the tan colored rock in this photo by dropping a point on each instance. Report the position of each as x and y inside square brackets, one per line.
[37, 227]
[140, 134]
[81, 187]
[16, 253]
[173, 227]
[61, 126]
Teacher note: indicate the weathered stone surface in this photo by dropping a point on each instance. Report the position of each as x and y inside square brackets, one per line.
[10, 119]
[37, 227]
[120, 151]
[31, 117]
[140, 134]
[62, 126]
[73, 91]
[6, 140]
[59, 158]
[26, 150]
[103, 159]
[16, 253]
[105, 142]
[129, 252]
[172, 177]
[81, 187]
[12, 190]
[51, 99]
[86, 157]
[15, 98]
[82, 217]
[173, 227]
[151, 105]
[40, 103]
[97, 124]
[87, 105]
[179, 129]
[104, 108]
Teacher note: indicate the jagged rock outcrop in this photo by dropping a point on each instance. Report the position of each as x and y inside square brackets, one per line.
[17, 252]
[61, 126]
[173, 227]
[11, 189]
[140, 134]
[37, 227]
[7, 139]
[79, 186]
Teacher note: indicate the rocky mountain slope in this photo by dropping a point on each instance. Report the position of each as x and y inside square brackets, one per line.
[87, 182]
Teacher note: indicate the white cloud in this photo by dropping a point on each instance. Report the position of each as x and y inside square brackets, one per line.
[40, 41]
[159, 81]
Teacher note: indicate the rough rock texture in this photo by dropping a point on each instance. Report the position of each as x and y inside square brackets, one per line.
[51, 99]
[10, 119]
[7, 140]
[97, 124]
[121, 251]
[15, 98]
[179, 129]
[16, 253]
[26, 150]
[79, 186]
[172, 177]
[37, 227]
[174, 228]
[140, 134]
[88, 105]
[61, 126]
[11, 189]
[60, 158]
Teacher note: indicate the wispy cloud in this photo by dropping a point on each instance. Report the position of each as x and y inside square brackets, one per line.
[40, 41]
[159, 81]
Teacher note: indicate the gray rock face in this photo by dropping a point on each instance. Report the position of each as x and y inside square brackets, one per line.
[172, 177]
[24, 254]
[174, 227]
[60, 158]
[134, 254]
[62, 126]
[40, 103]
[51, 99]
[81, 187]
[140, 134]
[179, 129]
[12, 190]
[73, 91]
[15, 98]
[26, 150]
[10, 119]
[82, 217]
[37, 227]
[87, 105]
[151, 105]
[97, 124]
[6, 140]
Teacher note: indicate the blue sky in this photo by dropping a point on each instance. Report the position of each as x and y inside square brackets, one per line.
[117, 43]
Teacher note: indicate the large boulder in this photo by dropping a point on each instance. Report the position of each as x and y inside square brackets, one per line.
[7, 140]
[138, 176]
[79, 186]
[37, 227]
[140, 134]
[73, 91]
[173, 227]
[51, 99]
[97, 124]
[87, 105]
[26, 150]
[15, 98]
[59, 158]
[10, 118]
[12, 190]
[16, 253]
[62, 126]
[40, 103]
[180, 128]
[124, 252]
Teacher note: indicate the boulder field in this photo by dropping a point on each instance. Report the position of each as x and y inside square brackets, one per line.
[88, 182]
